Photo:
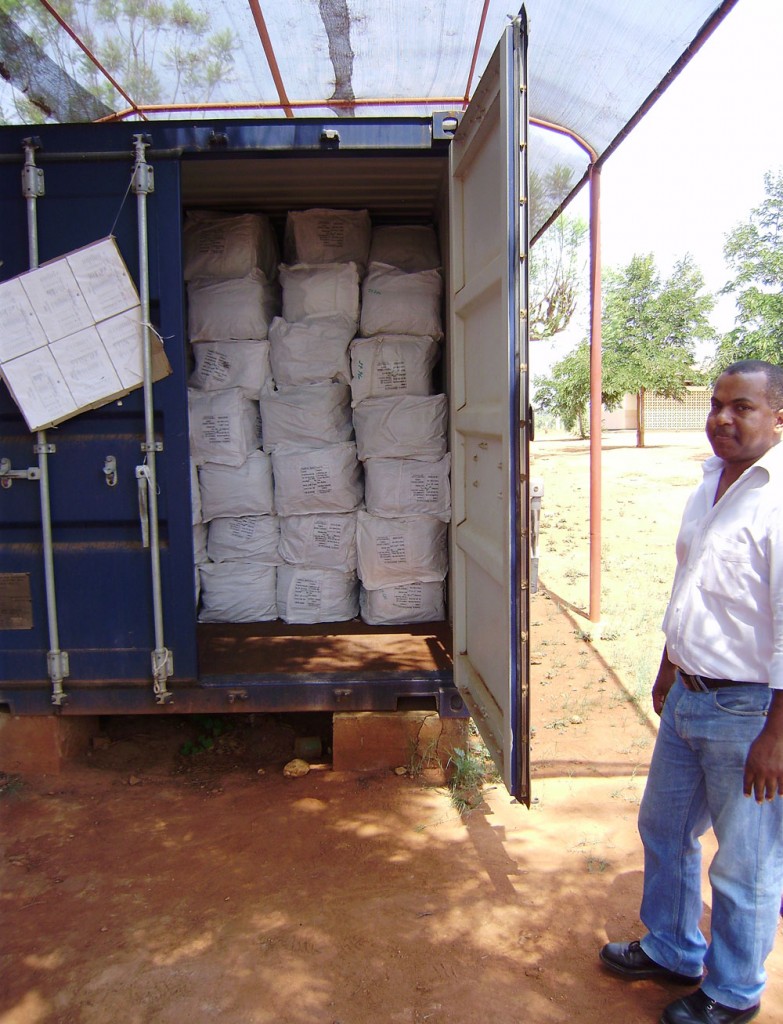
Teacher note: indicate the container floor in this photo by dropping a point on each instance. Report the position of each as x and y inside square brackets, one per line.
[345, 648]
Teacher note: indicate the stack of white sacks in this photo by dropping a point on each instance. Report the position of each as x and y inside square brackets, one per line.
[308, 427]
[340, 504]
[231, 273]
[401, 429]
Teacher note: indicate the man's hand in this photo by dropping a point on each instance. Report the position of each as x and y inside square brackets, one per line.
[764, 765]
[663, 683]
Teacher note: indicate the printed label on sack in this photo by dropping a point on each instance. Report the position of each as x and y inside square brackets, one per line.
[327, 534]
[315, 480]
[214, 366]
[391, 549]
[305, 595]
[243, 528]
[216, 428]
[425, 487]
[408, 596]
[331, 234]
[211, 243]
[392, 375]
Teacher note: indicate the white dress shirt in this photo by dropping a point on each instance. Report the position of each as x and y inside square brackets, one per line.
[725, 613]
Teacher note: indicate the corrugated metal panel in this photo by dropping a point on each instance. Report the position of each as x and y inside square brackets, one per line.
[387, 186]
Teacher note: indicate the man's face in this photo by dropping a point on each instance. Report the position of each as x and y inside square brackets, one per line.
[741, 424]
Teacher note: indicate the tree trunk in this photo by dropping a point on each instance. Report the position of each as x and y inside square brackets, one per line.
[640, 418]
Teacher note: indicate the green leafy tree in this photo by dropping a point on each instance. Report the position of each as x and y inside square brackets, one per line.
[566, 391]
[754, 252]
[650, 329]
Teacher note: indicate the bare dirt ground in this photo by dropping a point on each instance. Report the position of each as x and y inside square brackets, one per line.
[149, 887]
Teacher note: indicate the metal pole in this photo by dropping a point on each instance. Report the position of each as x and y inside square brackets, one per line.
[595, 394]
[57, 660]
[146, 474]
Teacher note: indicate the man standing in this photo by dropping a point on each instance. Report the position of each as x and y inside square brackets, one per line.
[718, 758]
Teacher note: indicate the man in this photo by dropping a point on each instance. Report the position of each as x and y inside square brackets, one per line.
[718, 758]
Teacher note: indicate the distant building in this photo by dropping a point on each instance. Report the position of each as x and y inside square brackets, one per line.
[688, 413]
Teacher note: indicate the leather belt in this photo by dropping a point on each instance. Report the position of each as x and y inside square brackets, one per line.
[702, 684]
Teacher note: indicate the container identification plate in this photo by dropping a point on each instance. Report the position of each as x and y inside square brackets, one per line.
[16, 603]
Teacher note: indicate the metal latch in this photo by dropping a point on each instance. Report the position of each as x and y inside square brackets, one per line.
[110, 470]
[8, 475]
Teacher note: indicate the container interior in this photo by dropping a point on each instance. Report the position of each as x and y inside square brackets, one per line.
[401, 188]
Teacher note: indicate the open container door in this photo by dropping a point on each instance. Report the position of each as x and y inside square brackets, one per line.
[488, 376]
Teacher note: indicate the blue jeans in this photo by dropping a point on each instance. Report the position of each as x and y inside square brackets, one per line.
[695, 781]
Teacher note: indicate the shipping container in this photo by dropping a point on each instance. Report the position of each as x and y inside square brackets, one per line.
[97, 607]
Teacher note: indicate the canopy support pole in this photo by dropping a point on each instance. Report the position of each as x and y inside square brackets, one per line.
[594, 612]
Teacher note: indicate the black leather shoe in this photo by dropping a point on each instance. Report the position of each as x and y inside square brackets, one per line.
[631, 961]
[698, 1008]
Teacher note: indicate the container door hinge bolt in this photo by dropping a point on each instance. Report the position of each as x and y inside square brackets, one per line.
[162, 668]
[59, 669]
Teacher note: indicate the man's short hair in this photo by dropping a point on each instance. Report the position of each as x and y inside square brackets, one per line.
[771, 371]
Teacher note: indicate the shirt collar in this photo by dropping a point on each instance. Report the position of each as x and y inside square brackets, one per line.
[771, 462]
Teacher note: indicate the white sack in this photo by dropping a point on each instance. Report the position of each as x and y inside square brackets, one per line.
[327, 236]
[310, 415]
[231, 364]
[409, 247]
[200, 556]
[394, 551]
[311, 350]
[323, 541]
[238, 592]
[394, 302]
[411, 426]
[244, 537]
[409, 602]
[310, 290]
[407, 487]
[228, 245]
[200, 531]
[317, 480]
[392, 364]
[233, 491]
[316, 595]
[195, 494]
[225, 426]
[238, 309]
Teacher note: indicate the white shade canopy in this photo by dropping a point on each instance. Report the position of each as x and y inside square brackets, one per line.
[594, 65]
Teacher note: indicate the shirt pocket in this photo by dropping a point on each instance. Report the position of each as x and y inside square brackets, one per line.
[728, 569]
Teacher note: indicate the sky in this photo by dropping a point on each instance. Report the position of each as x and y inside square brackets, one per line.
[693, 169]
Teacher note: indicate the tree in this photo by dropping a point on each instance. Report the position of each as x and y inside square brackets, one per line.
[650, 328]
[566, 392]
[754, 251]
[558, 258]
[557, 277]
[137, 41]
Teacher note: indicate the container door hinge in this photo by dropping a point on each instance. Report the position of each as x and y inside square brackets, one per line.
[143, 181]
[162, 669]
[32, 176]
[59, 669]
